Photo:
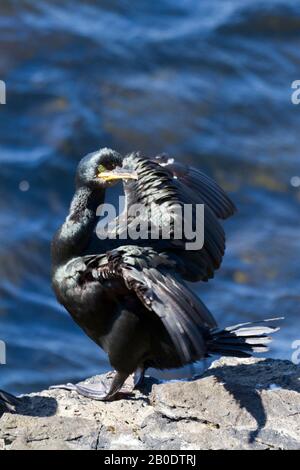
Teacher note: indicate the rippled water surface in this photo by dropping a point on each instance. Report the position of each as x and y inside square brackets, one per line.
[210, 83]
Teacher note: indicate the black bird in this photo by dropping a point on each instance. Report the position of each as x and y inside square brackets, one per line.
[129, 296]
[8, 402]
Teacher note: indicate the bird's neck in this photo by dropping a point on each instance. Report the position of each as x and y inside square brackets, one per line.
[74, 236]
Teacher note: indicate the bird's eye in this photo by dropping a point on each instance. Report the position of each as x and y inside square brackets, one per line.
[101, 168]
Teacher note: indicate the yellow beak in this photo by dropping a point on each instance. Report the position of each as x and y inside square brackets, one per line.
[118, 174]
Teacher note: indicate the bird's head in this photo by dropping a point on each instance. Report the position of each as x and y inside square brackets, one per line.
[102, 169]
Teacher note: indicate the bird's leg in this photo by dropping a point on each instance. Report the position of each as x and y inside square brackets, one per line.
[117, 384]
[105, 390]
[139, 376]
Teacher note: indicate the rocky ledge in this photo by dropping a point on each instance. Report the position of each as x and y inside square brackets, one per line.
[236, 404]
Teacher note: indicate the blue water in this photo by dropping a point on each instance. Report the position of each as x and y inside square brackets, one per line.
[207, 81]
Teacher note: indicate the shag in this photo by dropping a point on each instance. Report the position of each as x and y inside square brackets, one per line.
[129, 296]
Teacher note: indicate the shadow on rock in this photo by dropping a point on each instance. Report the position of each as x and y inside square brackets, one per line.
[36, 406]
[245, 383]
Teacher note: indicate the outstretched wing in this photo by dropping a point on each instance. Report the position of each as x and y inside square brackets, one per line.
[148, 274]
[203, 187]
[158, 187]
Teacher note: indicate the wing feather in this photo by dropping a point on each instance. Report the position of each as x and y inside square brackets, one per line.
[202, 185]
[184, 316]
[156, 186]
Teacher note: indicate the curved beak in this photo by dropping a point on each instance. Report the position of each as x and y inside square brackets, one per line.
[118, 174]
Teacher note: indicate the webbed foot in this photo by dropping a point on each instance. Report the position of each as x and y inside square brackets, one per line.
[104, 390]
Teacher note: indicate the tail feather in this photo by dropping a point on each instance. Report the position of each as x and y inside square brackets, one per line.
[242, 340]
[246, 340]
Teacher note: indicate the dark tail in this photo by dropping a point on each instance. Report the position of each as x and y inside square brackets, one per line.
[242, 340]
[8, 402]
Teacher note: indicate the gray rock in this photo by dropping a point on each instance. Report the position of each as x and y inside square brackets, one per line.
[236, 404]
